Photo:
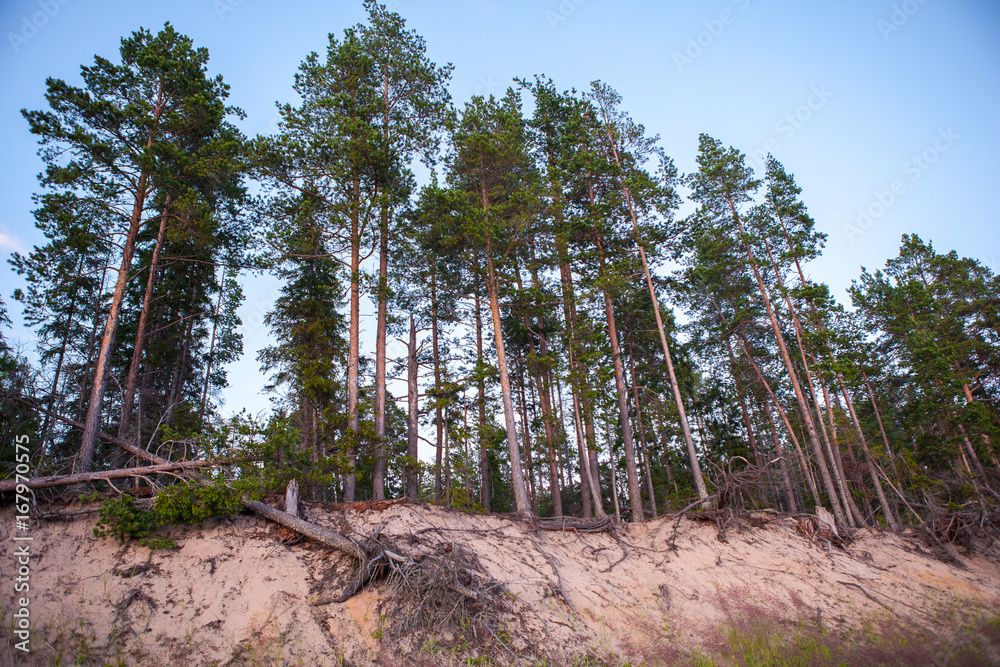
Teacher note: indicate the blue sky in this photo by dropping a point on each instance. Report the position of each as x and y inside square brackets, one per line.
[885, 111]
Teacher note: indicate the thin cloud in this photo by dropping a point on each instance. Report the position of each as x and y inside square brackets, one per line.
[10, 242]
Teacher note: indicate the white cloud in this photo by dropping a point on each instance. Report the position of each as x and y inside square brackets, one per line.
[10, 242]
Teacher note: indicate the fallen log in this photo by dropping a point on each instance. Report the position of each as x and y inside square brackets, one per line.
[565, 523]
[120, 473]
[127, 446]
[323, 535]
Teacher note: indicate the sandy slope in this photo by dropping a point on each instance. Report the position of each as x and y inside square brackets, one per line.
[233, 594]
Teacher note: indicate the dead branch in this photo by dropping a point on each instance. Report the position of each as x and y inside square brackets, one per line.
[104, 475]
[564, 523]
[127, 446]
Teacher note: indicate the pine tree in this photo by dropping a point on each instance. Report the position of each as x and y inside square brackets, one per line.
[325, 159]
[724, 186]
[936, 317]
[411, 106]
[104, 144]
[495, 186]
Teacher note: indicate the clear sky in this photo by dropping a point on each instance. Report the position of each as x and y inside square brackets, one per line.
[886, 111]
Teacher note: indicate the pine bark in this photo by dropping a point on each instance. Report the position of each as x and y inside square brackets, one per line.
[438, 411]
[412, 481]
[378, 468]
[99, 385]
[354, 333]
[642, 431]
[484, 460]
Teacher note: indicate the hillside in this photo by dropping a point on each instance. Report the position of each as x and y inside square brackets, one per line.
[243, 591]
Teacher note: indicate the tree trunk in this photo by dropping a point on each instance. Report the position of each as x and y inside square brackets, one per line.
[438, 412]
[211, 347]
[836, 456]
[642, 430]
[484, 460]
[517, 475]
[614, 476]
[635, 495]
[95, 406]
[786, 479]
[180, 368]
[526, 438]
[886, 509]
[881, 426]
[354, 334]
[47, 422]
[585, 437]
[537, 372]
[412, 454]
[8, 485]
[292, 499]
[378, 468]
[140, 335]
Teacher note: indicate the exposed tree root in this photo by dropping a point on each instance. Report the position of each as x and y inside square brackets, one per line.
[436, 586]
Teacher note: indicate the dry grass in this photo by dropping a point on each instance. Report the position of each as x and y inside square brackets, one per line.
[766, 631]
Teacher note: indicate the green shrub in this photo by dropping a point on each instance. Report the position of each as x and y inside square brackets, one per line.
[166, 543]
[121, 518]
[192, 504]
[178, 504]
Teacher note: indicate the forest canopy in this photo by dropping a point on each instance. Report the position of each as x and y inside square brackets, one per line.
[574, 345]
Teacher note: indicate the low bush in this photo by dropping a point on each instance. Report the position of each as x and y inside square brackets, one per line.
[124, 519]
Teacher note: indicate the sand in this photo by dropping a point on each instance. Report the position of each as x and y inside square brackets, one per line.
[235, 593]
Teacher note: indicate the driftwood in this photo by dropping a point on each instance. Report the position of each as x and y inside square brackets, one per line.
[127, 446]
[120, 473]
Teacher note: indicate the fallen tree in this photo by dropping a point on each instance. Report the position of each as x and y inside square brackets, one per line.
[127, 446]
[120, 473]
[441, 583]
